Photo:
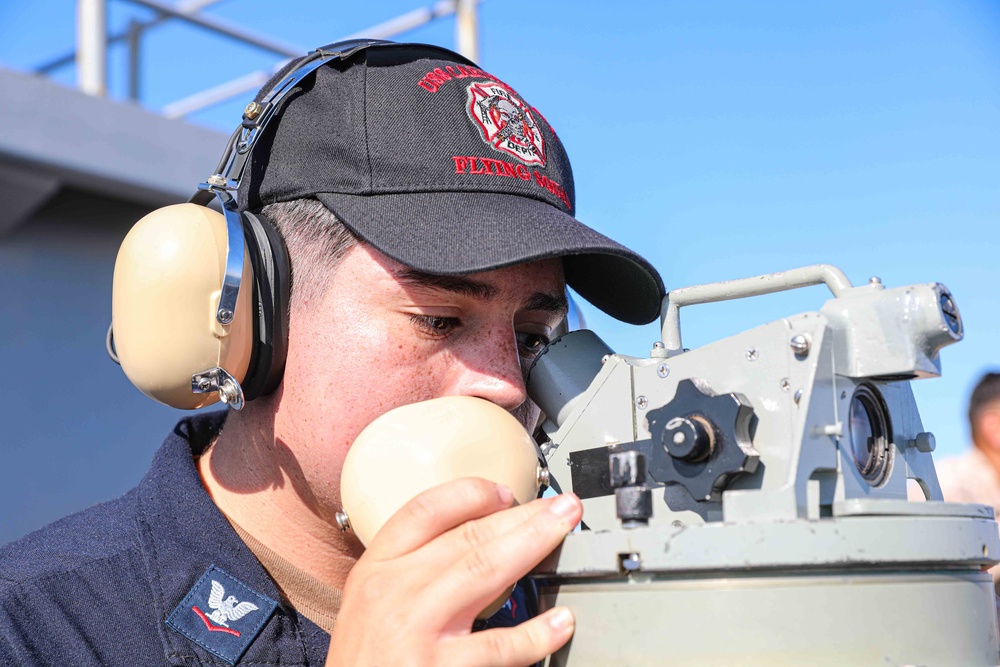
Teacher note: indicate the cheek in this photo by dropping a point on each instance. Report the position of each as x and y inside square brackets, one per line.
[343, 372]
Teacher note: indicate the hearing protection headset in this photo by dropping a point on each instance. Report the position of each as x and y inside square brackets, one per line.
[200, 299]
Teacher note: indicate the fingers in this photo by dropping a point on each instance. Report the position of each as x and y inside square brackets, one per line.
[435, 512]
[481, 568]
[524, 644]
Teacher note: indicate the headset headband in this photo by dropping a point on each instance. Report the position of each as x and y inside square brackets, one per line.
[224, 183]
[229, 172]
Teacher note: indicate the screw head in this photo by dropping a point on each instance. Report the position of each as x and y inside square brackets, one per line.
[785, 384]
[605, 358]
[752, 354]
[663, 370]
[658, 345]
[642, 402]
[204, 384]
[799, 345]
[225, 316]
[874, 280]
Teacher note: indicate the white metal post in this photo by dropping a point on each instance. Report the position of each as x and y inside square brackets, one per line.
[467, 29]
[91, 47]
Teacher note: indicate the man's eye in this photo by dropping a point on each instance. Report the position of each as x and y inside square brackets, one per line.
[530, 344]
[436, 326]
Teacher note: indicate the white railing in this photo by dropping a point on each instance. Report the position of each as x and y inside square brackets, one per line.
[93, 42]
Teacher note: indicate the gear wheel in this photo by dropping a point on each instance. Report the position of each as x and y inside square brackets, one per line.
[701, 440]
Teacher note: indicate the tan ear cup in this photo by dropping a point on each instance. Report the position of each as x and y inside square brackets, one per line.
[415, 447]
[167, 283]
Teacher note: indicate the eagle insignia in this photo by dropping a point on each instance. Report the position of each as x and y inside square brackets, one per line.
[226, 610]
[222, 614]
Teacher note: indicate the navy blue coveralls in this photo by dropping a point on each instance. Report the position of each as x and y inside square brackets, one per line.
[158, 576]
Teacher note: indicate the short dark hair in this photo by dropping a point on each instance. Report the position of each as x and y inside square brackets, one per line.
[986, 393]
[316, 242]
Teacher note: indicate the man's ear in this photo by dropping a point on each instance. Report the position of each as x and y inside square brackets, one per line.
[988, 428]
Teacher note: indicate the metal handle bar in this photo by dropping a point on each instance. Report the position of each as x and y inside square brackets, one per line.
[670, 318]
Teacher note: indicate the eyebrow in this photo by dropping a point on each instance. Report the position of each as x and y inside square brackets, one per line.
[456, 284]
[547, 303]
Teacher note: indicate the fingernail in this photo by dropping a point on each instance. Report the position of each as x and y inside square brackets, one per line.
[506, 495]
[564, 505]
[561, 619]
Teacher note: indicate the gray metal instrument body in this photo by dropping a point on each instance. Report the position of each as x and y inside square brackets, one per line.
[746, 502]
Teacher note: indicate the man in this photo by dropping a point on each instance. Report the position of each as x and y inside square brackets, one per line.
[427, 211]
[974, 477]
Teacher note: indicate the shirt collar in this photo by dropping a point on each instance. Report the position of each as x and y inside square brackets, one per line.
[183, 533]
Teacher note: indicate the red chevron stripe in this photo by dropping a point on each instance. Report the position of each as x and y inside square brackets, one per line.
[212, 627]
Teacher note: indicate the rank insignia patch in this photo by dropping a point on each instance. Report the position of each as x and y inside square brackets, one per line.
[222, 614]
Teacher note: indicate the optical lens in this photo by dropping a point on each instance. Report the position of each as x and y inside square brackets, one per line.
[871, 438]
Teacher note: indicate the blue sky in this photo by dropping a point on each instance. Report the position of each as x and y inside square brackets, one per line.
[721, 139]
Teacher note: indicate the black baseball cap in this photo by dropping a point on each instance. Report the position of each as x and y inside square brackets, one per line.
[444, 168]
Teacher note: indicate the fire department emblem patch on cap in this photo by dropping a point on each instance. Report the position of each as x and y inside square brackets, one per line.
[506, 122]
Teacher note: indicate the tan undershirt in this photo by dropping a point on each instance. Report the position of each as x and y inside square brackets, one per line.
[308, 595]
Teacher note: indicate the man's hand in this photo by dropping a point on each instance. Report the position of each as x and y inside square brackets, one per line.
[412, 597]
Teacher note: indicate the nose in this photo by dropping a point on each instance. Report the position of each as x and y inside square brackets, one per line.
[493, 371]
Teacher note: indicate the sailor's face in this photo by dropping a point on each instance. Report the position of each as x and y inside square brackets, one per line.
[383, 336]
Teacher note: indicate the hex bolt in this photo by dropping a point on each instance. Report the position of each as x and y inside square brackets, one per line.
[633, 500]
[252, 110]
[627, 469]
[799, 345]
[663, 370]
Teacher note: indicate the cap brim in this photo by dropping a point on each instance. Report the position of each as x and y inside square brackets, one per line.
[449, 233]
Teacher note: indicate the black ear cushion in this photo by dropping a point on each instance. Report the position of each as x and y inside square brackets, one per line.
[272, 285]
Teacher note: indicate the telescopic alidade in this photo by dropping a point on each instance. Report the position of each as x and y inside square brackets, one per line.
[745, 503]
